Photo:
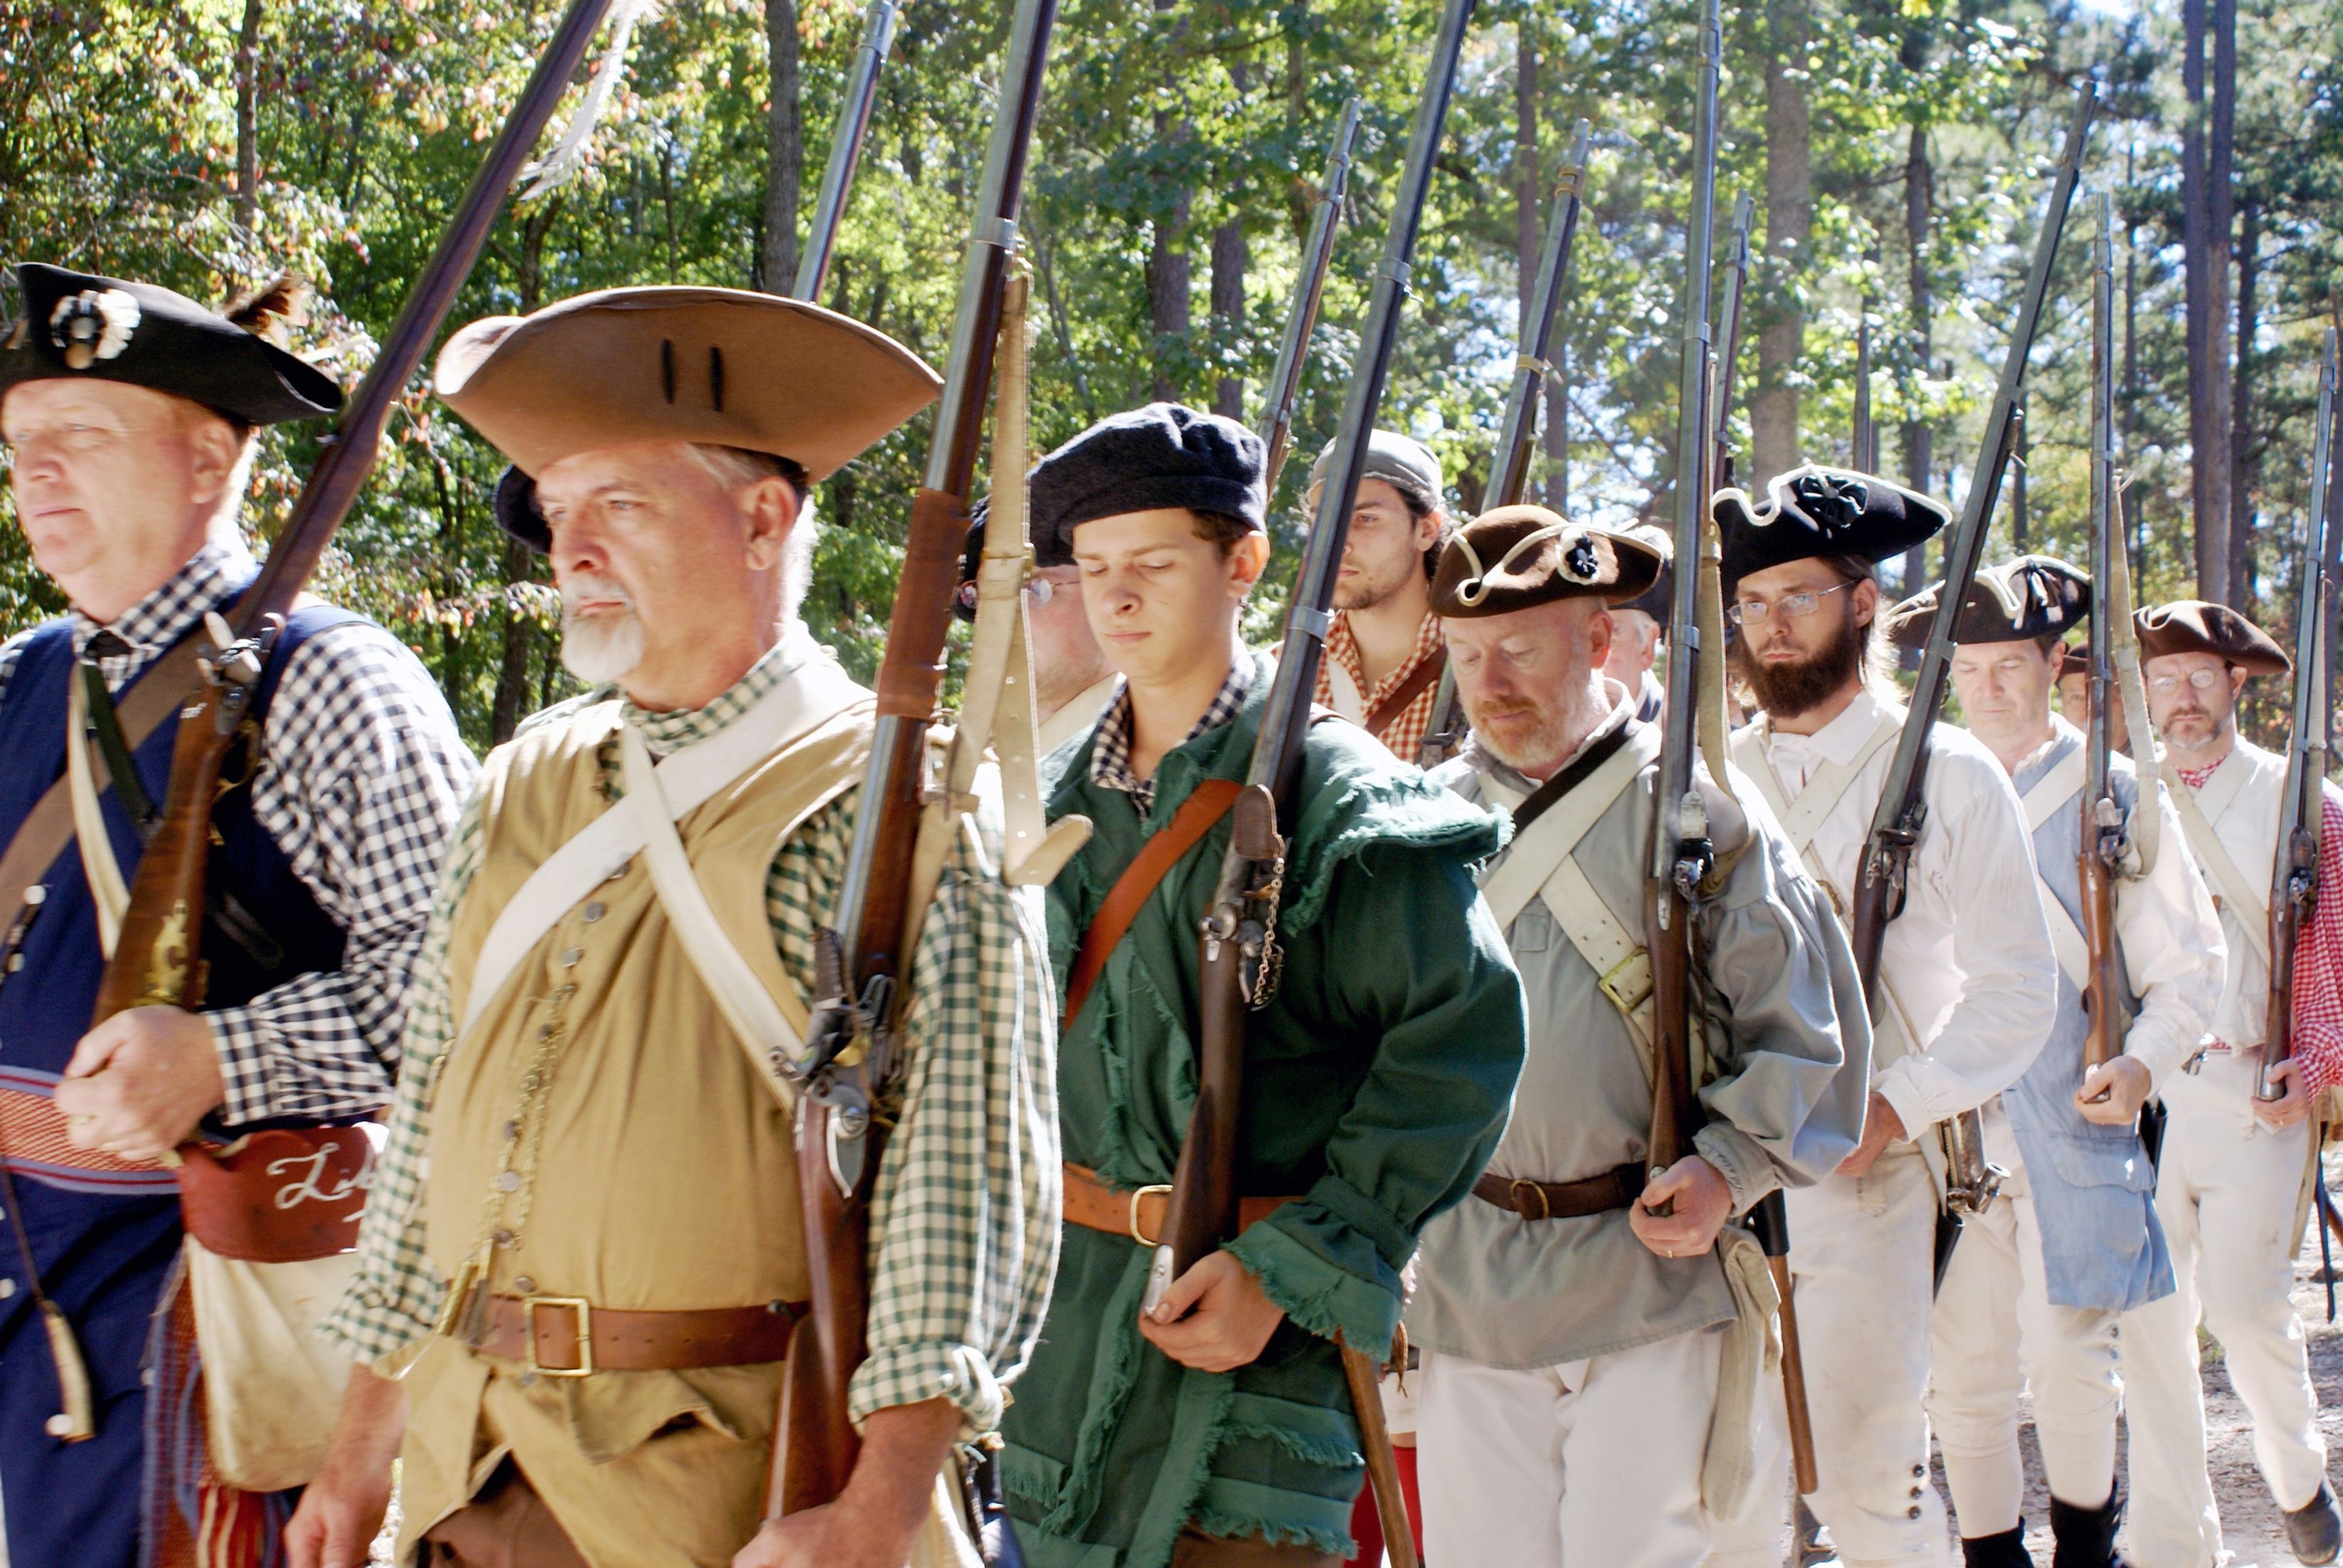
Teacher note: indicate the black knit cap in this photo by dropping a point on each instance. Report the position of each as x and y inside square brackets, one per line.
[1164, 455]
[80, 327]
[2016, 601]
[1814, 511]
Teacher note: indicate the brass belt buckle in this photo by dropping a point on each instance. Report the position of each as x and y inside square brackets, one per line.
[1545, 1204]
[1131, 1224]
[1611, 987]
[584, 1310]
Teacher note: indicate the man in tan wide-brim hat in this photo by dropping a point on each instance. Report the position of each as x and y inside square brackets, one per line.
[584, 1261]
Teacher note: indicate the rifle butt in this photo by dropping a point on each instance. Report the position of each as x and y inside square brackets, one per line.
[814, 1443]
[1365, 1379]
[1203, 1208]
[157, 959]
[2103, 1042]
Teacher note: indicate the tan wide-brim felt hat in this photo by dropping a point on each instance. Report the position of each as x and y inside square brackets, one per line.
[722, 367]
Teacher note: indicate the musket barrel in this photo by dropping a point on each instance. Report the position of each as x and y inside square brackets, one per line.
[1510, 474]
[1302, 321]
[1891, 832]
[1728, 317]
[1288, 707]
[846, 150]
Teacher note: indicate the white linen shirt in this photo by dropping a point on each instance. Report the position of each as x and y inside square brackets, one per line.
[1968, 963]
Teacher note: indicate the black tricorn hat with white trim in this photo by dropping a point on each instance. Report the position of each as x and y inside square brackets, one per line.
[79, 326]
[1814, 511]
[714, 367]
[2016, 601]
[1517, 558]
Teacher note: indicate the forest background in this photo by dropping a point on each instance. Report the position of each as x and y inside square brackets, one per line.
[1898, 152]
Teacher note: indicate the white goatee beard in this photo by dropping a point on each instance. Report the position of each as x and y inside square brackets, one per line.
[602, 648]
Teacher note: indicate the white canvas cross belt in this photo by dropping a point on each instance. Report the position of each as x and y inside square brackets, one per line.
[2197, 810]
[2055, 790]
[812, 693]
[1345, 697]
[1540, 864]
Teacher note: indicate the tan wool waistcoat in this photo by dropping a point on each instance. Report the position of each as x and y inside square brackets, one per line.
[656, 1169]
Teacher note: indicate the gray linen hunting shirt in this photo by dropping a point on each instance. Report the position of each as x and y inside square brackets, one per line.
[1785, 1012]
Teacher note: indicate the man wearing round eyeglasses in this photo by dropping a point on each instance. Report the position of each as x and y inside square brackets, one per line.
[1966, 993]
[2033, 1293]
[2232, 1194]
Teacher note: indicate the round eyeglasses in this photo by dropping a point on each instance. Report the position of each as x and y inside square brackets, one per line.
[1795, 605]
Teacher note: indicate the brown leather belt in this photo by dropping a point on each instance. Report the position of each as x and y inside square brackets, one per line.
[1615, 1189]
[1138, 1212]
[565, 1336]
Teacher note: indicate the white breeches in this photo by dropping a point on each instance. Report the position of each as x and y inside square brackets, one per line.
[1861, 1258]
[2226, 1193]
[1591, 1464]
[1995, 1332]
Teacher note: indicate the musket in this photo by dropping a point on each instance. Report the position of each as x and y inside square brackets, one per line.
[1728, 331]
[1863, 451]
[846, 150]
[157, 959]
[2103, 842]
[1302, 321]
[1509, 467]
[2294, 883]
[847, 1072]
[1237, 944]
[1970, 1182]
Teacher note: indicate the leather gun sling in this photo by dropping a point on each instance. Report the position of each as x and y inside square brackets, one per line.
[1210, 801]
[48, 827]
[1386, 712]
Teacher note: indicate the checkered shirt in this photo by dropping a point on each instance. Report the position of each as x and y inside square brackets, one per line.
[965, 1221]
[2317, 955]
[1110, 752]
[362, 776]
[1404, 734]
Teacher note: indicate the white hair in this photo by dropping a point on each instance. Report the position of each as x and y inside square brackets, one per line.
[737, 468]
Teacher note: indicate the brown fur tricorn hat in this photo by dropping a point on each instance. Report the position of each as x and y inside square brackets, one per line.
[717, 366]
[1517, 558]
[2193, 626]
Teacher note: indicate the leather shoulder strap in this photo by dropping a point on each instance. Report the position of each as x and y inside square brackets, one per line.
[48, 827]
[1210, 801]
[1530, 859]
[1419, 680]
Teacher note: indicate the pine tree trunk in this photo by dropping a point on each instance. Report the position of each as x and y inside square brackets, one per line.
[2206, 208]
[519, 560]
[1789, 226]
[2242, 416]
[1919, 201]
[247, 121]
[777, 270]
[1228, 312]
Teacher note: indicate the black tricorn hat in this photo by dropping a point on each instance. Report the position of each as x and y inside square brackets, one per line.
[2016, 601]
[1814, 511]
[2194, 626]
[1656, 600]
[1517, 558]
[79, 326]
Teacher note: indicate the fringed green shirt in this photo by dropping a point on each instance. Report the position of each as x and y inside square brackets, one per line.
[1377, 1083]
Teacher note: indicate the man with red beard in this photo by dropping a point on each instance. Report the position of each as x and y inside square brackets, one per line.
[1965, 995]
[2237, 1171]
[1591, 1342]
[1383, 654]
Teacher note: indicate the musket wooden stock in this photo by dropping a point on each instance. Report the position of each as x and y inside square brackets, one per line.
[860, 1016]
[158, 958]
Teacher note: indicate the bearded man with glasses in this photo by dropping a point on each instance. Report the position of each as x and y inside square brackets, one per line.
[1964, 998]
[2233, 1188]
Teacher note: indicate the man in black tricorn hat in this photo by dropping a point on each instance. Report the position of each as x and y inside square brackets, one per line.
[2032, 1295]
[130, 413]
[1965, 992]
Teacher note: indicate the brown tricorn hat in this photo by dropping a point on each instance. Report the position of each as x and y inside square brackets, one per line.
[2194, 626]
[719, 366]
[1516, 558]
[2016, 601]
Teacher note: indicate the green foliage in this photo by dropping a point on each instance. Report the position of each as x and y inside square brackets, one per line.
[118, 128]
